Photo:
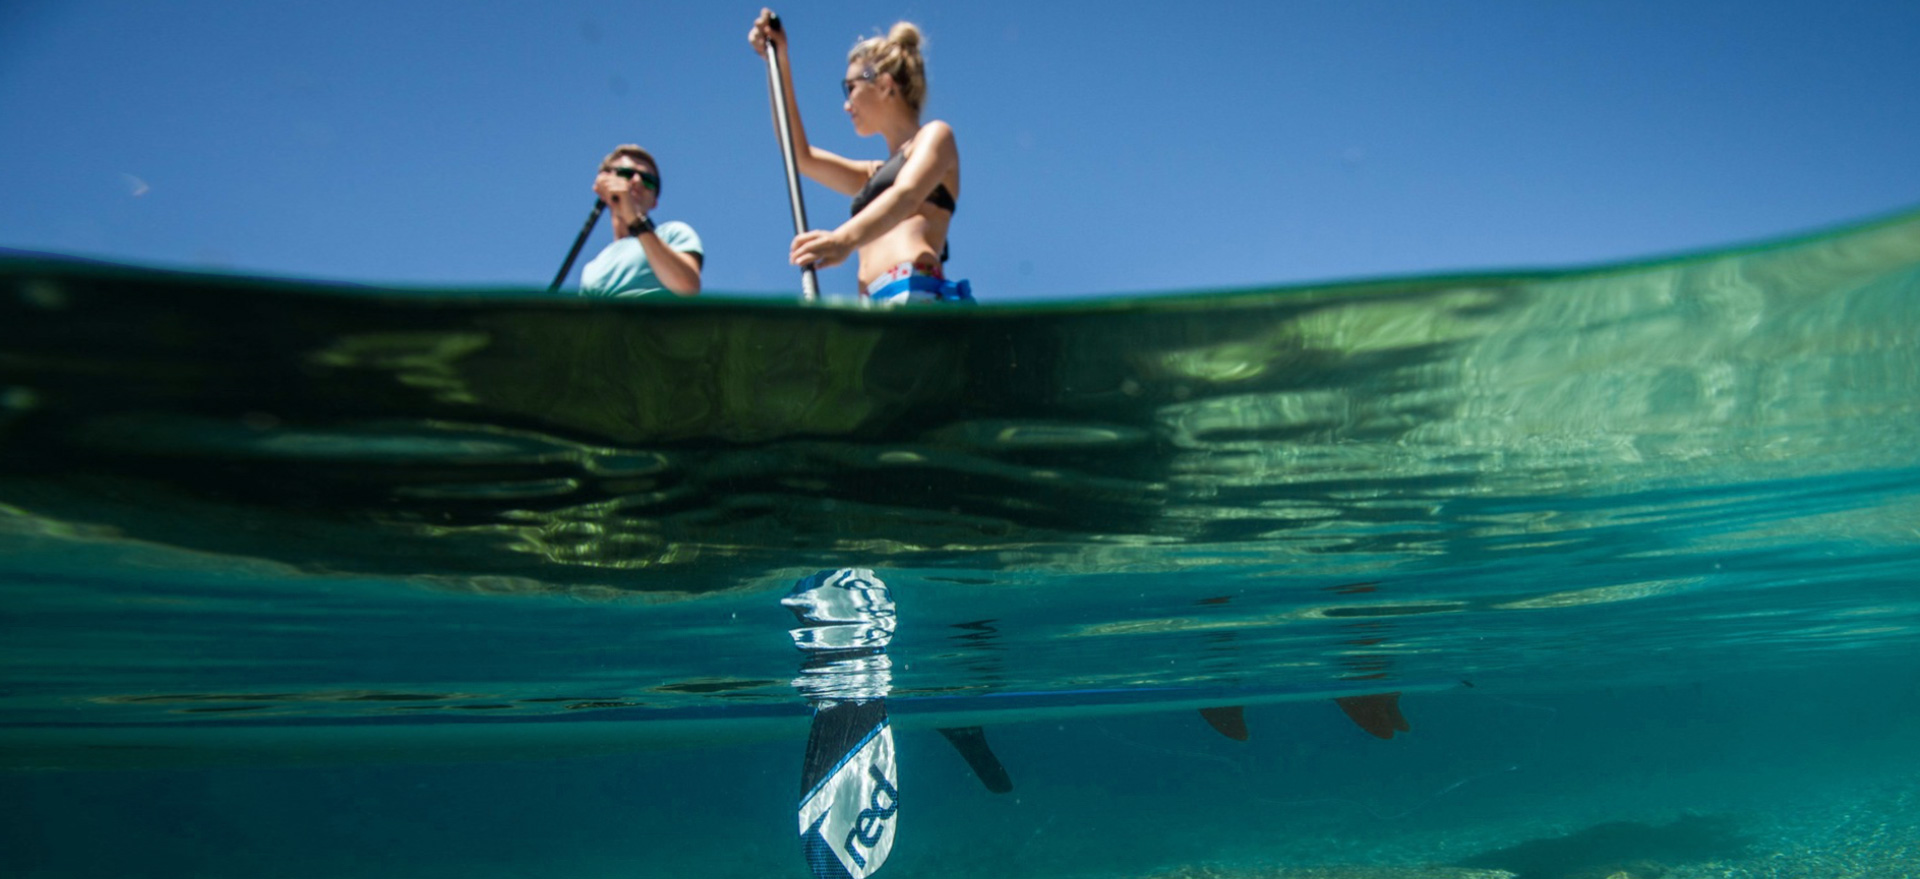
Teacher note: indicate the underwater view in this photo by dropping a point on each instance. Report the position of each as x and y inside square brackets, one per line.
[1595, 574]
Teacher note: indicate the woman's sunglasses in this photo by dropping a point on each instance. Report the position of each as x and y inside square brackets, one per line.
[846, 85]
[650, 181]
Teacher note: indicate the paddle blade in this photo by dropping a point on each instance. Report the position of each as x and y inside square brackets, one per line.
[850, 791]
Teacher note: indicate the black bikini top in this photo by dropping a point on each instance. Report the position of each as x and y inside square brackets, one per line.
[882, 180]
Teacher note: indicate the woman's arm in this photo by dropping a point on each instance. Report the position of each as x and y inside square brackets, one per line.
[836, 172]
[934, 155]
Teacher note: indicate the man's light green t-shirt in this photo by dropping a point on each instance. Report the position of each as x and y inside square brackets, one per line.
[621, 271]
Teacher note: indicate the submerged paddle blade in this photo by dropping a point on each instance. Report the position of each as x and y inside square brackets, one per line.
[849, 787]
[1230, 721]
[971, 742]
[851, 791]
[1378, 714]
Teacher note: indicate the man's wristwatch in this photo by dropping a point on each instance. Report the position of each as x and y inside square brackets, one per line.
[639, 225]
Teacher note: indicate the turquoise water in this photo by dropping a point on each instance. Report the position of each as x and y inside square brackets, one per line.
[320, 581]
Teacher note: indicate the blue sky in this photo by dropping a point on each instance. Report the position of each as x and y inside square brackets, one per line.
[1107, 148]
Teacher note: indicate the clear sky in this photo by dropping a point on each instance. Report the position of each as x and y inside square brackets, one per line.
[1107, 148]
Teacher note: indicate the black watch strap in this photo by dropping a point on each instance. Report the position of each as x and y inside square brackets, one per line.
[639, 225]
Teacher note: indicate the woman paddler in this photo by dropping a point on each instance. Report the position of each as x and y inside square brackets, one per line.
[902, 205]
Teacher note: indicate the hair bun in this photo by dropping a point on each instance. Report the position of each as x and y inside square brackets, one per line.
[898, 54]
[905, 35]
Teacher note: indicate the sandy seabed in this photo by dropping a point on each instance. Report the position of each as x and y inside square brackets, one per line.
[1872, 833]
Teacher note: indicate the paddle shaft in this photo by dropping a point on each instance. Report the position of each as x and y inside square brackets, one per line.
[809, 282]
[578, 242]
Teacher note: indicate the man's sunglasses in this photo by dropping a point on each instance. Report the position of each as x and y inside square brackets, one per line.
[846, 85]
[650, 181]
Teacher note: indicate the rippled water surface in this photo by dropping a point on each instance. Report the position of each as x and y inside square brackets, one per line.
[501, 574]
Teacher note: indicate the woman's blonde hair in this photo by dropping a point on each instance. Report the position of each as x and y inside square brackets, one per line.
[898, 55]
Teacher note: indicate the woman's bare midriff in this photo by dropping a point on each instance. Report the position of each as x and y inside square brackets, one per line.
[912, 241]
